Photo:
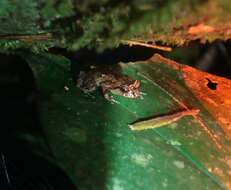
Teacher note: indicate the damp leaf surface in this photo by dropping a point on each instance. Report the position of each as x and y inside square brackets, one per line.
[91, 140]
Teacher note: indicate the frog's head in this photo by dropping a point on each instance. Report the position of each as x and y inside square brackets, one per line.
[132, 90]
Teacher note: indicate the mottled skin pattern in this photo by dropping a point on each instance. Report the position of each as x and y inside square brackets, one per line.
[108, 81]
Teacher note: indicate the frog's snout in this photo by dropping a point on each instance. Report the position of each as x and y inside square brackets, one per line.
[132, 94]
[133, 90]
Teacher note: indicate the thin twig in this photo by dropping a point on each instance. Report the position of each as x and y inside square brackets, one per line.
[138, 43]
[29, 37]
[5, 169]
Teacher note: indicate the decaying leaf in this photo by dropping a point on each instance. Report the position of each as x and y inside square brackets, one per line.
[212, 91]
[91, 139]
[200, 28]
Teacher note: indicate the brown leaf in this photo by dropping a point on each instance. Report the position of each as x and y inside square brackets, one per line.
[200, 28]
[212, 91]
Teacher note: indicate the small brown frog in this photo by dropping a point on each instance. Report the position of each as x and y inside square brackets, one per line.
[108, 81]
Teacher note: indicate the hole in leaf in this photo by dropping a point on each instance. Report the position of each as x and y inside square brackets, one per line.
[211, 85]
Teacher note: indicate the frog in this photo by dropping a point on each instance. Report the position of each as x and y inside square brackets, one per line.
[109, 81]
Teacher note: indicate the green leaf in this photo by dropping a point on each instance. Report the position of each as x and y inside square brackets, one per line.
[103, 24]
[18, 17]
[91, 140]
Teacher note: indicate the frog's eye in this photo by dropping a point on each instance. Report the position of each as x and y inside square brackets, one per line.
[125, 88]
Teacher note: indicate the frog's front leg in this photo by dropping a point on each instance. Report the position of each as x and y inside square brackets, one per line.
[105, 91]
